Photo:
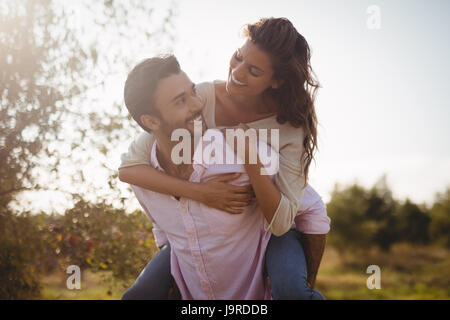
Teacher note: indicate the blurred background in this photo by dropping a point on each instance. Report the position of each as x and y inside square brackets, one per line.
[383, 165]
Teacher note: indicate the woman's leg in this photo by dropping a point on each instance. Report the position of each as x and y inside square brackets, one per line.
[286, 268]
[155, 280]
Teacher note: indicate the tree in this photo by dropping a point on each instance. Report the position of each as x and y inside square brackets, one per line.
[439, 228]
[362, 217]
[411, 224]
[56, 59]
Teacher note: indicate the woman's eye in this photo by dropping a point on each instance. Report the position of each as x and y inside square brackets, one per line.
[237, 56]
[253, 73]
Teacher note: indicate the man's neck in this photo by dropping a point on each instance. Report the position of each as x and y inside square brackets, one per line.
[164, 149]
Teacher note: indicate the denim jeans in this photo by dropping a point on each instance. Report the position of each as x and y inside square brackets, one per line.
[155, 280]
[285, 266]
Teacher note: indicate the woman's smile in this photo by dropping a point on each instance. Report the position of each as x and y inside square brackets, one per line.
[235, 81]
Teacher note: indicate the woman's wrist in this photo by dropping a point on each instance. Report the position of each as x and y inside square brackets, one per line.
[195, 191]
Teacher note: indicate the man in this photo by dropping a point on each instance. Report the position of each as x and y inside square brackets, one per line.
[214, 255]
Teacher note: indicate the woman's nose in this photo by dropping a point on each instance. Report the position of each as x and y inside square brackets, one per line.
[238, 72]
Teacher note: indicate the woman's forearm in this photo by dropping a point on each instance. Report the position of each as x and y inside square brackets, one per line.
[265, 190]
[147, 177]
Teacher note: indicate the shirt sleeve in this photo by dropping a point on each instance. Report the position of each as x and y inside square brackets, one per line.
[290, 183]
[159, 234]
[139, 151]
[312, 215]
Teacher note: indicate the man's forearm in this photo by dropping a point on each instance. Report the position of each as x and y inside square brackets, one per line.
[313, 246]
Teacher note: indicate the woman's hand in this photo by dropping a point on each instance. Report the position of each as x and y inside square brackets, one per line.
[219, 194]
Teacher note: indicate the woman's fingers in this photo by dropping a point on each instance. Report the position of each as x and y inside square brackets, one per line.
[245, 189]
[238, 204]
[242, 197]
[234, 210]
[226, 177]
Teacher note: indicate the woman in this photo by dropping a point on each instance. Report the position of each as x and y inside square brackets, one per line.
[269, 86]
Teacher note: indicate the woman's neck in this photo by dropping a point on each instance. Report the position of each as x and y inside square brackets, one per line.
[256, 104]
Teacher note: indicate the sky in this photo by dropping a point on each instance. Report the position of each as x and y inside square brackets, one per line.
[384, 101]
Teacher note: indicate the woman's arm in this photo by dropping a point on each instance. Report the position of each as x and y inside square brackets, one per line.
[265, 191]
[217, 193]
[280, 209]
[147, 177]
[279, 199]
[269, 199]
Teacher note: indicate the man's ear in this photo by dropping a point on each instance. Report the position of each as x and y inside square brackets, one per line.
[150, 122]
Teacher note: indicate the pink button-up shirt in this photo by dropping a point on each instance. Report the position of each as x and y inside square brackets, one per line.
[215, 255]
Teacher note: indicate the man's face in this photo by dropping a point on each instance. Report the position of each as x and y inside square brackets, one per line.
[178, 104]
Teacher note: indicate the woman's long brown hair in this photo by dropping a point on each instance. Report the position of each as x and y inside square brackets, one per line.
[295, 96]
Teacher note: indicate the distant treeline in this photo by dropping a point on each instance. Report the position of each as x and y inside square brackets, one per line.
[365, 217]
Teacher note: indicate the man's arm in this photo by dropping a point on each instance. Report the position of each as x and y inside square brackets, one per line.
[313, 246]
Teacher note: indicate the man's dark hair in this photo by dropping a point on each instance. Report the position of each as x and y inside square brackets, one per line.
[139, 92]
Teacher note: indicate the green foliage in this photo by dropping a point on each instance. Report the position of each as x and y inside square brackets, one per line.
[94, 237]
[362, 218]
[439, 228]
[100, 237]
[18, 251]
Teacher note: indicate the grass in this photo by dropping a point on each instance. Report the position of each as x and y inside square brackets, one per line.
[94, 286]
[407, 272]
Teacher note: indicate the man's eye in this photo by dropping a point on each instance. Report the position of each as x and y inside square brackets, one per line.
[237, 56]
[181, 101]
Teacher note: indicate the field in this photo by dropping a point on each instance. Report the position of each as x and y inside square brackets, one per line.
[407, 272]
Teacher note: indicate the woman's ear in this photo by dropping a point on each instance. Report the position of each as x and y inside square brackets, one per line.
[277, 83]
[150, 122]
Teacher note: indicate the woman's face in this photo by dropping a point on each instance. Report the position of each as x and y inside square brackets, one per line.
[250, 71]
